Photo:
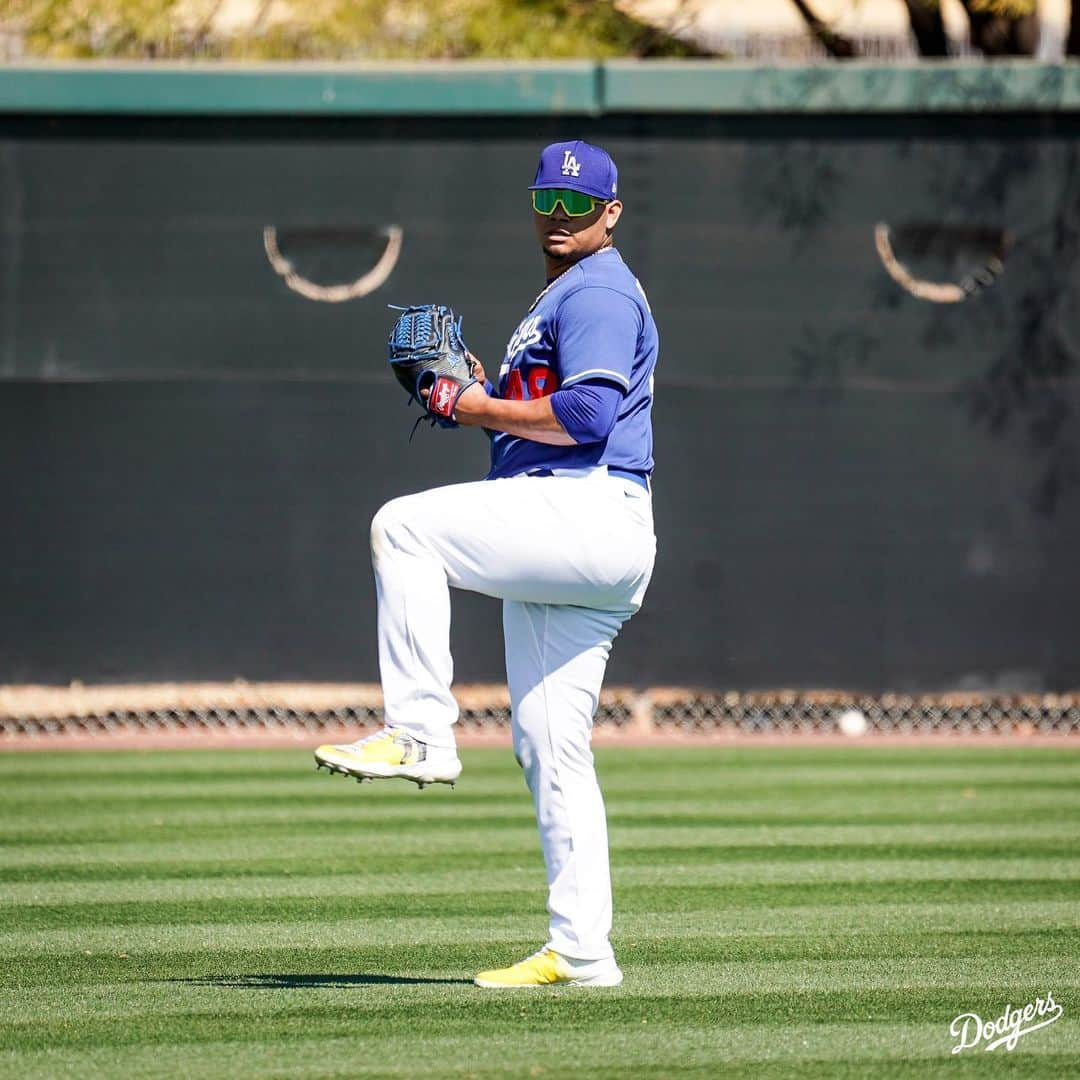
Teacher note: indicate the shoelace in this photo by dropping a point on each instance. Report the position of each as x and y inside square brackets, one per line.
[382, 734]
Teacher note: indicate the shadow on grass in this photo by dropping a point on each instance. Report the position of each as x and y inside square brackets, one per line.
[301, 982]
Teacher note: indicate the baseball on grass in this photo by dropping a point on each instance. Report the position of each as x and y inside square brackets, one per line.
[852, 722]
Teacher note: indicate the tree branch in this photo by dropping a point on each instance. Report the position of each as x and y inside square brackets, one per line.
[928, 27]
[835, 44]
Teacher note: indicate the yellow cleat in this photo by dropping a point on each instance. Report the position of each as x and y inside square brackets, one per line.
[549, 968]
[388, 753]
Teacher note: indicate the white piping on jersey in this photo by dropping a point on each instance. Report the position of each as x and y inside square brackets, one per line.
[622, 380]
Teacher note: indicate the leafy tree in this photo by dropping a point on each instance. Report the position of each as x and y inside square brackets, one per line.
[64, 29]
[342, 29]
[998, 27]
[450, 29]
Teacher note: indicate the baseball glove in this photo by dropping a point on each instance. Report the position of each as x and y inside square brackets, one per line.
[427, 353]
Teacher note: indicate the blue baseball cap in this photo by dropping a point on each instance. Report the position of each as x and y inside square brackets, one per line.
[579, 166]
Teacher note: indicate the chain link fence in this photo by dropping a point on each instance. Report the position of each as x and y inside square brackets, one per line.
[789, 713]
[44, 713]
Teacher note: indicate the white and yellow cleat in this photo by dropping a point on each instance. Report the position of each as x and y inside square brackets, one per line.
[389, 753]
[549, 968]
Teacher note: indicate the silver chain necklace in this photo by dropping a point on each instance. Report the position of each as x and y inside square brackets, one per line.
[555, 281]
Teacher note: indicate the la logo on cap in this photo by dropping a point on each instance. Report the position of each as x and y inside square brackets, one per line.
[586, 168]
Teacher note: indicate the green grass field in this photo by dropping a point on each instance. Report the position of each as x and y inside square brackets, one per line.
[779, 912]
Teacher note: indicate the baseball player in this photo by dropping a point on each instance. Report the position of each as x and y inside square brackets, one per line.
[560, 530]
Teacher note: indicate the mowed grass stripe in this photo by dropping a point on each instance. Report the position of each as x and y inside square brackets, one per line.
[293, 786]
[392, 965]
[325, 1014]
[318, 794]
[384, 799]
[518, 836]
[175, 821]
[856, 1019]
[201, 995]
[292, 778]
[738, 764]
[723, 873]
[336, 832]
[142, 865]
[644, 1049]
[310, 932]
[659, 899]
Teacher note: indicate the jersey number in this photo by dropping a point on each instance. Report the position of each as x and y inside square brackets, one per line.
[540, 382]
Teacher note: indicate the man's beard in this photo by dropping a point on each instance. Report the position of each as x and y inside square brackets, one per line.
[571, 256]
[575, 256]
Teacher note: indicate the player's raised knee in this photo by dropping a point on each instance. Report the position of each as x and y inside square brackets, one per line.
[384, 526]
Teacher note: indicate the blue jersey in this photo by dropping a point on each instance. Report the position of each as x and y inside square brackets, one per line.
[592, 323]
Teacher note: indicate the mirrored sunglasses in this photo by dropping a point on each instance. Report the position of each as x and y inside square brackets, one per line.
[574, 203]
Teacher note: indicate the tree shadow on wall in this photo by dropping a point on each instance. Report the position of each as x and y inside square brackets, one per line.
[797, 183]
[1030, 333]
[1026, 325]
[826, 361]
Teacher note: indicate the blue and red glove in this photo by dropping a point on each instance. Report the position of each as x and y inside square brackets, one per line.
[428, 354]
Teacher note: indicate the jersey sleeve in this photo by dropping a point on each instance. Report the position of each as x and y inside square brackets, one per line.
[598, 330]
[587, 410]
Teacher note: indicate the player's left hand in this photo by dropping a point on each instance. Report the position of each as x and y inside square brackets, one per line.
[477, 369]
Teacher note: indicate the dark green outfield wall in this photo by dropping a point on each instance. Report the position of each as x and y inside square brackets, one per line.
[855, 488]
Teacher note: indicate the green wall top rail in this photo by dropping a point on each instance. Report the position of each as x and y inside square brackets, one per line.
[949, 86]
[579, 88]
[300, 89]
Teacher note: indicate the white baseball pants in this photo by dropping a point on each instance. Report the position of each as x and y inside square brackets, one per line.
[570, 556]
